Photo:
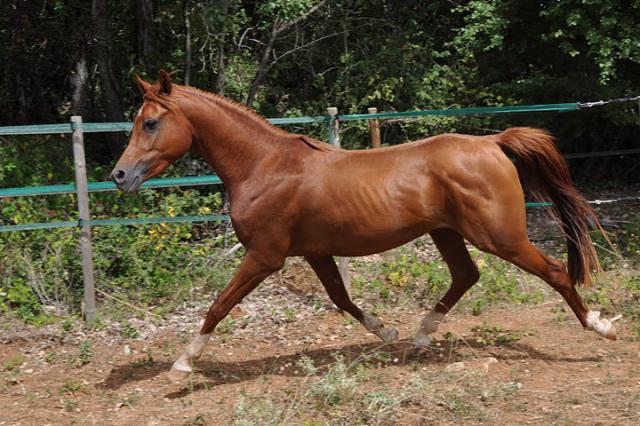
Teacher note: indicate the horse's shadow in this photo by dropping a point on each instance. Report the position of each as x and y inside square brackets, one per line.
[375, 354]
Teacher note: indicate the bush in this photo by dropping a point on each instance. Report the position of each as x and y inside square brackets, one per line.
[147, 264]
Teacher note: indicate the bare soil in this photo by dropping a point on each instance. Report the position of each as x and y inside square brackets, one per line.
[557, 373]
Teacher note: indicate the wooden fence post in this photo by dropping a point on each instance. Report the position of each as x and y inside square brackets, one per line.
[82, 192]
[334, 139]
[374, 128]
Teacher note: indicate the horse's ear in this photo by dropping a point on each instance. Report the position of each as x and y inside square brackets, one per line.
[142, 85]
[165, 82]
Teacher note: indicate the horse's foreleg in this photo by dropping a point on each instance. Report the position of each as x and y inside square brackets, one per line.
[464, 274]
[253, 269]
[327, 271]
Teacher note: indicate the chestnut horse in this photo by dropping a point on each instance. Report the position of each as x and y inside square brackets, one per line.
[292, 195]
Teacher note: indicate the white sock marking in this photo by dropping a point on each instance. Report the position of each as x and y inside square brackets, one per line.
[603, 327]
[191, 352]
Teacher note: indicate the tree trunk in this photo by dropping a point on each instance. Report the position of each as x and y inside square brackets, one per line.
[109, 87]
[186, 13]
[80, 104]
[263, 67]
[144, 31]
[220, 60]
[79, 79]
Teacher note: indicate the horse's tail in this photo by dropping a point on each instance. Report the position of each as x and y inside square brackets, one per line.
[545, 174]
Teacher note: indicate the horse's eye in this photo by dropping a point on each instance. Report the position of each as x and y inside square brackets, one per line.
[150, 125]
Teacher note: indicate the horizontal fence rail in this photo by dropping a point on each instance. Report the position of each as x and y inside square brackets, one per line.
[125, 126]
[114, 222]
[40, 129]
[464, 111]
[70, 188]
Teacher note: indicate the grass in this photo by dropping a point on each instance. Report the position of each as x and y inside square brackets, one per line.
[14, 362]
[487, 335]
[358, 392]
[85, 353]
[418, 277]
[71, 386]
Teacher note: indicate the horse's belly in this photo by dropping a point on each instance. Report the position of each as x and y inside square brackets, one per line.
[357, 240]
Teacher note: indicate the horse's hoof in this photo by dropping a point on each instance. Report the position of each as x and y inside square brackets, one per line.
[604, 327]
[177, 375]
[422, 341]
[179, 371]
[612, 335]
[388, 335]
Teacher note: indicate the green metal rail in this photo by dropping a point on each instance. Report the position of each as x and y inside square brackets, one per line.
[574, 106]
[113, 222]
[70, 188]
[39, 129]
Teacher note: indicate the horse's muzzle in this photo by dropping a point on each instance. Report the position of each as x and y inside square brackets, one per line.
[127, 181]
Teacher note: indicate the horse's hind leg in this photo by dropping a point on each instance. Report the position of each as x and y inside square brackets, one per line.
[464, 274]
[327, 271]
[528, 257]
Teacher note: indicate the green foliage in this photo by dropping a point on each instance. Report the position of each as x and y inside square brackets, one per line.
[146, 361]
[404, 275]
[494, 335]
[285, 10]
[148, 264]
[85, 354]
[128, 331]
[500, 282]
[626, 244]
[70, 387]
[13, 362]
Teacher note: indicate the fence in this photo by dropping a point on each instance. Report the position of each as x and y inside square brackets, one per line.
[82, 188]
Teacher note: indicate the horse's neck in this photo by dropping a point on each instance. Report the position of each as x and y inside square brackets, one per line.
[232, 140]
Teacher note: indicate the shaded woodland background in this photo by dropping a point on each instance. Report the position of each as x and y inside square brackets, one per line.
[296, 57]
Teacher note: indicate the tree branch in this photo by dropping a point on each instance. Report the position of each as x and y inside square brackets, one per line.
[280, 28]
[312, 42]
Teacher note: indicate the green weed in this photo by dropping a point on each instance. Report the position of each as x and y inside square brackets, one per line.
[71, 386]
[146, 361]
[12, 363]
[226, 326]
[85, 354]
[494, 335]
[129, 332]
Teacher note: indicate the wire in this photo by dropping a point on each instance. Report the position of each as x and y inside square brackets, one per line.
[607, 102]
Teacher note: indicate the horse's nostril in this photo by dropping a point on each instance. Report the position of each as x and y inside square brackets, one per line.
[118, 175]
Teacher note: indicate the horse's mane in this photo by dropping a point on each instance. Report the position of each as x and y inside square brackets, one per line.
[190, 90]
[169, 103]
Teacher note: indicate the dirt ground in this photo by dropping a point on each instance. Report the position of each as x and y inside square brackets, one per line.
[556, 373]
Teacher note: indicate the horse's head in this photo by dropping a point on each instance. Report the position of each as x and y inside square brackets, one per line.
[161, 134]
